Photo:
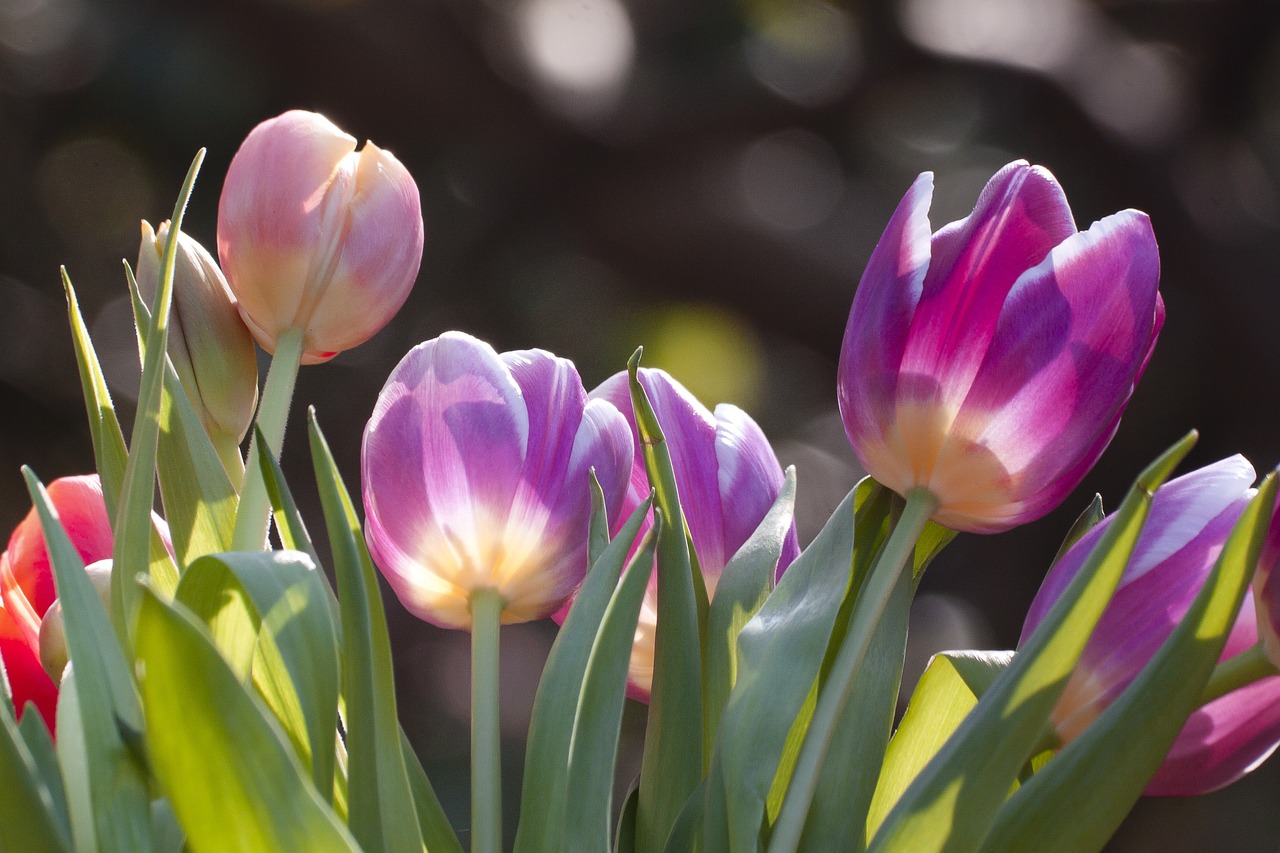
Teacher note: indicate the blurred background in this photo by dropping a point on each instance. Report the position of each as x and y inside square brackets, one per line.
[705, 177]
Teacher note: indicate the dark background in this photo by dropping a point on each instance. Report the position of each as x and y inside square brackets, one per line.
[705, 178]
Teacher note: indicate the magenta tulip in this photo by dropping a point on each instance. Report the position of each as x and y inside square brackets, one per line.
[989, 362]
[1186, 530]
[476, 477]
[317, 236]
[727, 476]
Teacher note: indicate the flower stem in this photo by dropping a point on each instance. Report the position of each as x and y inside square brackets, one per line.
[1245, 668]
[486, 741]
[872, 599]
[253, 514]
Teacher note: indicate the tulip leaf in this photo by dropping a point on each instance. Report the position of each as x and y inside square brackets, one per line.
[780, 653]
[686, 834]
[199, 500]
[270, 616]
[29, 815]
[845, 786]
[544, 797]
[672, 764]
[746, 582]
[110, 453]
[948, 690]
[1081, 795]
[625, 836]
[250, 792]
[593, 749]
[137, 493]
[598, 533]
[379, 791]
[40, 744]
[1086, 521]
[107, 702]
[73, 759]
[952, 802]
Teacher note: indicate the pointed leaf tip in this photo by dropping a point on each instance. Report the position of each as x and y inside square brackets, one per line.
[1159, 470]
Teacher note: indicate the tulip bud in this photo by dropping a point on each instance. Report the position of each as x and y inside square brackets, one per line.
[989, 362]
[475, 470]
[317, 236]
[1188, 525]
[53, 632]
[728, 478]
[209, 345]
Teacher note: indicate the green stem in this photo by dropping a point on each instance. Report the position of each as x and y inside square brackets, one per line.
[870, 605]
[253, 514]
[228, 450]
[486, 740]
[1245, 668]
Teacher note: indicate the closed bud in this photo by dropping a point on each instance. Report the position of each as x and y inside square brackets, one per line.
[53, 631]
[209, 345]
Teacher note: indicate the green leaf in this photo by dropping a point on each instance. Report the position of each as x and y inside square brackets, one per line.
[199, 500]
[780, 652]
[845, 785]
[270, 617]
[593, 751]
[74, 761]
[625, 836]
[379, 794]
[952, 802]
[109, 451]
[289, 524]
[946, 693]
[432, 821]
[1086, 521]
[546, 768]
[29, 817]
[248, 791]
[686, 833]
[40, 744]
[672, 764]
[137, 494]
[107, 703]
[746, 582]
[1080, 797]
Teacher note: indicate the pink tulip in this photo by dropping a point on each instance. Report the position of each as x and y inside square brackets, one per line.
[475, 474]
[989, 362]
[1186, 530]
[317, 236]
[27, 588]
[728, 478]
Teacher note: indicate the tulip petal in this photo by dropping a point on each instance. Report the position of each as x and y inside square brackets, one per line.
[1222, 741]
[1020, 216]
[1065, 357]
[27, 679]
[876, 334]
[749, 480]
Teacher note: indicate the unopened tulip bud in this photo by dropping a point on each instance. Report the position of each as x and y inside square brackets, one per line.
[53, 631]
[209, 344]
[316, 236]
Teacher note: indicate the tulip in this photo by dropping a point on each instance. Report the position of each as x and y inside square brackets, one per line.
[1188, 525]
[27, 589]
[988, 363]
[475, 477]
[727, 476]
[1266, 593]
[316, 236]
[209, 345]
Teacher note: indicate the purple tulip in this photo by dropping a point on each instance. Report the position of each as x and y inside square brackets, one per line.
[475, 472]
[727, 476]
[989, 362]
[1187, 528]
[1266, 593]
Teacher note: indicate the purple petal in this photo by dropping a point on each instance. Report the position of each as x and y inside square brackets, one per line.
[1020, 216]
[554, 400]
[1070, 343]
[441, 460]
[1180, 513]
[1222, 741]
[750, 479]
[882, 308]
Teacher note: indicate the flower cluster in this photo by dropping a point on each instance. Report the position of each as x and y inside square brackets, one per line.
[985, 368]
